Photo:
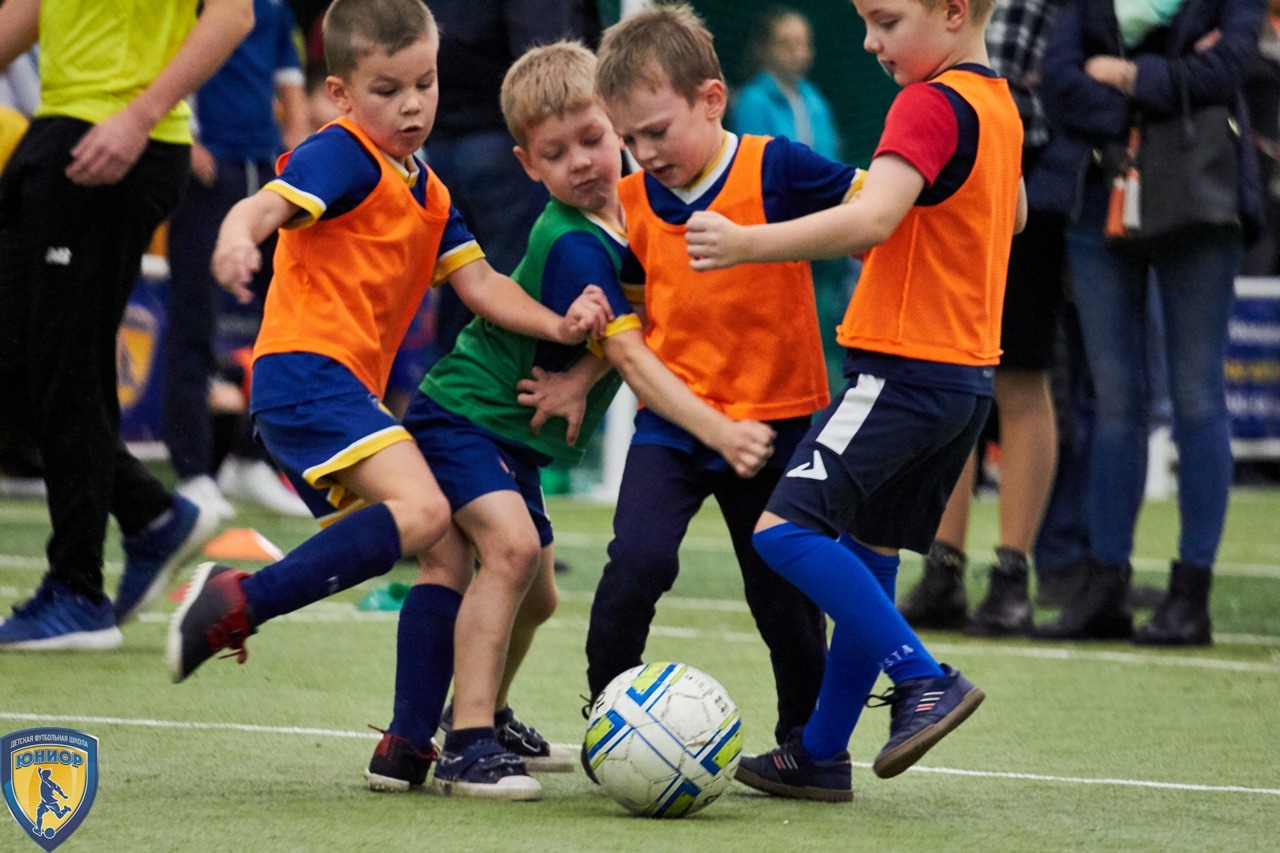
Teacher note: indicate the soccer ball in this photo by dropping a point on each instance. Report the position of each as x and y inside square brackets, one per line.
[664, 739]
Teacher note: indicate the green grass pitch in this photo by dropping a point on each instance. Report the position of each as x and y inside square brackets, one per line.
[1078, 747]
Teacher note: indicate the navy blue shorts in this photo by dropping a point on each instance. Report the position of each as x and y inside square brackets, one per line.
[316, 438]
[880, 462]
[469, 461]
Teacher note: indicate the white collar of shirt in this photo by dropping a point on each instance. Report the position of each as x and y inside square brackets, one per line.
[693, 192]
[619, 237]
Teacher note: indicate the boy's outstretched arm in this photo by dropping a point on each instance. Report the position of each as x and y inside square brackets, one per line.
[500, 300]
[745, 445]
[236, 257]
[892, 186]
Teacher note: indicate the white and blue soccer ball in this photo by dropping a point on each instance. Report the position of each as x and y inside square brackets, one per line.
[664, 739]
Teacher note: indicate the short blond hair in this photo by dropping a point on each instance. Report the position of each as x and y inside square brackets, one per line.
[353, 29]
[550, 80]
[671, 39]
[979, 10]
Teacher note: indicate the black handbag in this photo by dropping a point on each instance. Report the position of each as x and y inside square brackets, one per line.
[1178, 174]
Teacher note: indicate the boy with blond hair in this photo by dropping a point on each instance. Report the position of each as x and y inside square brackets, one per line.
[367, 228]
[939, 207]
[747, 345]
[475, 433]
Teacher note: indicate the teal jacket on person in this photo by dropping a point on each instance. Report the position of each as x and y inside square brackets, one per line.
[762, 108]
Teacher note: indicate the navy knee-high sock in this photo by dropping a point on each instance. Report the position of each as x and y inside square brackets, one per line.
[850, 672]
[424, 661]
[842, 585]
[363, 545]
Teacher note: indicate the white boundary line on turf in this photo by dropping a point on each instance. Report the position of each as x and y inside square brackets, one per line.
[338, 733]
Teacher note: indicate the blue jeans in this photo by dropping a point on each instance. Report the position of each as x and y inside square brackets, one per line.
[1195, 278]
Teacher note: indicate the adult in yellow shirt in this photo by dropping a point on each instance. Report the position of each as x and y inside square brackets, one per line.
[100, 167]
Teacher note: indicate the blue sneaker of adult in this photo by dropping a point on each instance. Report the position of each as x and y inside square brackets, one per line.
[58, 618]
[923, 711]
[152, 556]
[789, 771]
[485, 769]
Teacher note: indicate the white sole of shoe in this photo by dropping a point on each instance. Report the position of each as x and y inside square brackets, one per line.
[518, 788]
[385, 784]
[173, 644]
[81, 641]
[206, 525]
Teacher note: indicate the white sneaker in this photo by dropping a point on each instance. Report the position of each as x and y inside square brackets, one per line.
[204, 493]
[255, 480]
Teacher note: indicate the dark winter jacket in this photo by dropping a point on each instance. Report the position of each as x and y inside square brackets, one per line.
[1087, 114]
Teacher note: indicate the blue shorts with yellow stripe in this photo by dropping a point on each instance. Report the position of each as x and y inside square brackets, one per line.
[317, 419]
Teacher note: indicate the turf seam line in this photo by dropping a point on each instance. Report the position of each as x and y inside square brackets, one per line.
[338, 733]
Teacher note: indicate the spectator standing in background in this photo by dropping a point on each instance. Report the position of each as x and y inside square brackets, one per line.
[101, 166]
[238, 140]
[1104, 60]
[779, 100]
[470, 148]
[1262, 94]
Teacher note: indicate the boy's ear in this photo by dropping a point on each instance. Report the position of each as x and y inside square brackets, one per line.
[714, 98]
[337, 89]
[957, 12]
[527, 162]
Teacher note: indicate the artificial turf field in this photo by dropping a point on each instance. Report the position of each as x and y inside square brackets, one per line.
[1078, 746]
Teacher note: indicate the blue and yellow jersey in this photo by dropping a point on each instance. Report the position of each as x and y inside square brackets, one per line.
[352, 268]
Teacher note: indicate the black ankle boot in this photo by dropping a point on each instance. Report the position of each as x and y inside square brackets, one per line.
[1006, 611]
[1099, 611]
[1182, 619]
[939, 601]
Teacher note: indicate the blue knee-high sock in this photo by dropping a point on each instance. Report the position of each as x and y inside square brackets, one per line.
[850, 673]
[363, 545]
[841, 584]
[424, 661]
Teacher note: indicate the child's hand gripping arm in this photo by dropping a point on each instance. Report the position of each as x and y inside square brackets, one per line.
[561, 394]
[745, 445]
[500, 300]
[866, 220]
[236, 257]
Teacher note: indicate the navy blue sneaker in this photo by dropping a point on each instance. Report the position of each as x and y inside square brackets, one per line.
[789, 771]
[57, 618]
[397, 765]
[213, 616]
[923, 711]
[525, 742]
[152, 556]
[485, 769]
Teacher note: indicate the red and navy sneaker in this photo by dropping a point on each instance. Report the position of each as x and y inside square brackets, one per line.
[397, 765]
[923, 711]
[214, 615]
[789, 771]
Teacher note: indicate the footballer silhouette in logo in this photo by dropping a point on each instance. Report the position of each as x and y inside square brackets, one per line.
[48, 802]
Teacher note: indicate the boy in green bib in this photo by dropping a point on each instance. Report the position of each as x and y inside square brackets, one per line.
[474, 427]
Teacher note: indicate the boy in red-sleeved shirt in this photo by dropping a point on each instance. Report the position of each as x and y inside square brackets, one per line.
[936, 215]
